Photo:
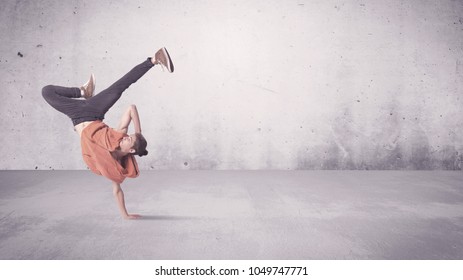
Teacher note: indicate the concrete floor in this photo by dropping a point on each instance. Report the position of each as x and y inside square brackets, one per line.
[234, 215]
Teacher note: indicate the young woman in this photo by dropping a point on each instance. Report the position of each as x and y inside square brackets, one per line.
[106, 151]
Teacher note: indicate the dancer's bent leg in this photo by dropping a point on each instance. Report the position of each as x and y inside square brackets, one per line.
[63, 99]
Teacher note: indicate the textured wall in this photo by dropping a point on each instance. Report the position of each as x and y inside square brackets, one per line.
[258, 84]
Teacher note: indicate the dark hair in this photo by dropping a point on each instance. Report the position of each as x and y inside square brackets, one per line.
[140, 145]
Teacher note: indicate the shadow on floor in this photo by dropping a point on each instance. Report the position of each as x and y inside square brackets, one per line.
[167, 217]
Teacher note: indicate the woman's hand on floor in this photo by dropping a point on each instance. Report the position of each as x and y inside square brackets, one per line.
[132, 217]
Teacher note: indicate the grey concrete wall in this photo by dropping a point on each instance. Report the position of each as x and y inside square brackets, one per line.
[258, 84]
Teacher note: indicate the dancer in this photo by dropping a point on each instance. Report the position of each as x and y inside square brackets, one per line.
[106, 151]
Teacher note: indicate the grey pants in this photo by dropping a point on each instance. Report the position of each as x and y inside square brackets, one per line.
[65, 99]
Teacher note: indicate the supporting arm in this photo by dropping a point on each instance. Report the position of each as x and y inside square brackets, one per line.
[119, 195]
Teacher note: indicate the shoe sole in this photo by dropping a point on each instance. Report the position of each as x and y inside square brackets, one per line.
[170, 65]
[92, 79]
[94, 85]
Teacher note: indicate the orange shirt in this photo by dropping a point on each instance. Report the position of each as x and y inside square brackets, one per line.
[97, 141]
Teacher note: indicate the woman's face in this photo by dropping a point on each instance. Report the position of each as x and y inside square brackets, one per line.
[127, 143]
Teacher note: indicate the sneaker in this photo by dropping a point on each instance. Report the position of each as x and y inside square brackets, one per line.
[89, 87]
[162, 57]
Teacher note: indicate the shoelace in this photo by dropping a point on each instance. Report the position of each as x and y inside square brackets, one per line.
[162, 66]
